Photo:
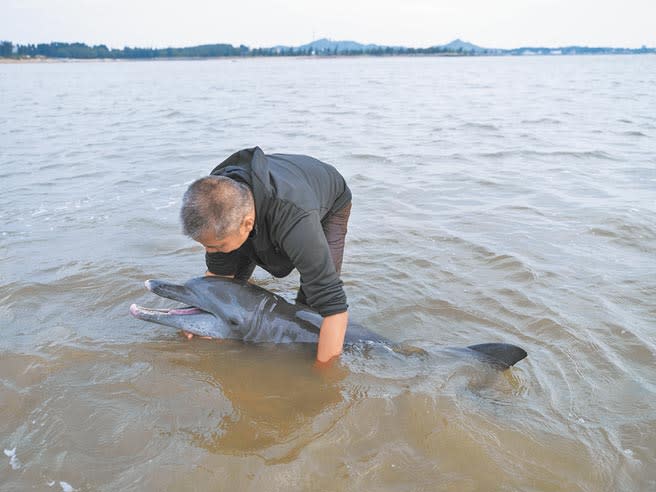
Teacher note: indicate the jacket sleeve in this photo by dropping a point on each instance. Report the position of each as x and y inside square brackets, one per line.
[306, 246]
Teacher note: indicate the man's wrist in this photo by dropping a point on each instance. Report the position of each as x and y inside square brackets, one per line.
[331, 336]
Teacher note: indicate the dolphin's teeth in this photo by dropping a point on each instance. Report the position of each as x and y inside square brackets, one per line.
[136, 309]
[187, 310]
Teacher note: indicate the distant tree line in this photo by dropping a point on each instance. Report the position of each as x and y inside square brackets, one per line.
[579, 50]
[83, 51]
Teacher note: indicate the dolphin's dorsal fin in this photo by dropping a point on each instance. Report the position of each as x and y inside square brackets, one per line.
[501, 353]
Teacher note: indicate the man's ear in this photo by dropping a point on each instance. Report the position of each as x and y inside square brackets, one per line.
[248, 222]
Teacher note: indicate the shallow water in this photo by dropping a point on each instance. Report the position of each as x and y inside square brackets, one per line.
[495, 199]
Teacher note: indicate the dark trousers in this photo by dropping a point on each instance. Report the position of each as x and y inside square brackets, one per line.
[335, 228]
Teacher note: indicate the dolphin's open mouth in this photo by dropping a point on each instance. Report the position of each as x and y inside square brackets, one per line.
[189, 318]
[160, 315]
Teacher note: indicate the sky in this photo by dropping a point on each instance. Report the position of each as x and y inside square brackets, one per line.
[264, 23]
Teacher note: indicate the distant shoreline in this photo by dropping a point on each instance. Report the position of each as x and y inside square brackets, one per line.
[43, 59]
[318, 48]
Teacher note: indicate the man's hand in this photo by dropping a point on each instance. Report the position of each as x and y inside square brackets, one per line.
[189, 336]
[331, 337]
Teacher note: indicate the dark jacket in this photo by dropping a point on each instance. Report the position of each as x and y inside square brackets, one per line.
[293, 194]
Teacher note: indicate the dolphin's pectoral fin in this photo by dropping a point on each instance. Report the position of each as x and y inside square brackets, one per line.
[504, 354]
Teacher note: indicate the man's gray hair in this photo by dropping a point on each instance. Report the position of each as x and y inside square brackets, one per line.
[215, 203]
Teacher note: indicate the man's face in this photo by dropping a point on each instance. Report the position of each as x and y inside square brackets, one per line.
[227, 243]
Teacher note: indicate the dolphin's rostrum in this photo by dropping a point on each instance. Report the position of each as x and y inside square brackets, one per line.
[231, 309]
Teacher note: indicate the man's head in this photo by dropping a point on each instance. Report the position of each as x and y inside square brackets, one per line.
[218, 212]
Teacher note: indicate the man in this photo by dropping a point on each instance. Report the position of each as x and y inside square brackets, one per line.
[280, 212]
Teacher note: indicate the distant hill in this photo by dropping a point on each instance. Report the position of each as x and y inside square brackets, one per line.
[459, 44]
[325, 44]
[328, 46]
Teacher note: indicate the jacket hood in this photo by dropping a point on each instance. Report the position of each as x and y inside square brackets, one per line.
[254, 162]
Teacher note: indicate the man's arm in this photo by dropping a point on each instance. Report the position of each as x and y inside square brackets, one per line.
[305, 244]
[331, 336]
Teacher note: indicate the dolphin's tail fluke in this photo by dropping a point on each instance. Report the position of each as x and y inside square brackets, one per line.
[503, 354]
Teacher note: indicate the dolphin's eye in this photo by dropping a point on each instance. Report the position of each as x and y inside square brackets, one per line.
[233, 321]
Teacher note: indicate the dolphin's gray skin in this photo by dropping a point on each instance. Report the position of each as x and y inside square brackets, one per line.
[226, 308]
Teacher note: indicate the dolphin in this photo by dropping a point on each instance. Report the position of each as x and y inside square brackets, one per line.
[225, 308]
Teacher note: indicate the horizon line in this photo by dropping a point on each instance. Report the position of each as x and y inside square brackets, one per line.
[281, 45]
